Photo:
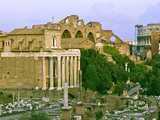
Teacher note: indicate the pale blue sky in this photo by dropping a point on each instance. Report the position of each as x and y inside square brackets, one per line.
[118, 15]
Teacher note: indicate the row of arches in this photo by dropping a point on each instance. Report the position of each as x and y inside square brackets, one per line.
[66, 34]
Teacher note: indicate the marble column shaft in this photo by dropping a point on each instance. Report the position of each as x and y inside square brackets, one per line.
[71, 72]
[63, 71]
[59, 73]
[78, 74]
[67, 71]
[51, 73]
[44, 74]
[75, 71]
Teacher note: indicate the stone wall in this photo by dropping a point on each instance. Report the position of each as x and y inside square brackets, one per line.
[20, 73]
[155, 40]
[53, 35]
[26, 42]
[76, 43]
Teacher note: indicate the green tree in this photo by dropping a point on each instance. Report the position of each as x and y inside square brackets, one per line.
[138, 73]
[91, 77]
[99, 115]
[150, 79]
[119, 87]
[98, 73]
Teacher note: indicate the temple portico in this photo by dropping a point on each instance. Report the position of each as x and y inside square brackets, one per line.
[58, 67]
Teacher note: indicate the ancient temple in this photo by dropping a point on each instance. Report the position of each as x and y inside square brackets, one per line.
[46, 56]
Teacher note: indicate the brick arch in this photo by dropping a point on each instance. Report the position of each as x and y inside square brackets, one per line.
[116, 39]
[66, 34]
[91, 37]
[79, 34]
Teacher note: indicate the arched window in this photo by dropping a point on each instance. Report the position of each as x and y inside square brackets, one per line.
[53, 40]
[30, 45]
[2, 43]
[79, 34]
[54, 44]
[6, 43]
[90, 36]
[66, 34]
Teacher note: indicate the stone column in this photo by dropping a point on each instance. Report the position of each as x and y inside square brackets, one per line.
[66, 110]
[71, 72]
[63, 71]
[65, 95]
[55, 73]
[44, 74]
[51, 73]
[59, 73]
[75, 71]
[78, 74]
[67, 71]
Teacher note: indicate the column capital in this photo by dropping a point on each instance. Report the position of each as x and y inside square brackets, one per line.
[59, 57]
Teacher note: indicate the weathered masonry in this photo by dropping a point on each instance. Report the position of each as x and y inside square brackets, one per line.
[47, 55]
[46, 70]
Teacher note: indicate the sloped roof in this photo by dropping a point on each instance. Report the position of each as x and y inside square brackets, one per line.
[26, 31]
[2, 34]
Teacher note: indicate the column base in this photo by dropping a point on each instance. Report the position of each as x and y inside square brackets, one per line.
[36, 88]
[44, 88]
[51, 88]
[76, 86]
[59, 88]
[71, 86]
[67, 108]
[66, 113]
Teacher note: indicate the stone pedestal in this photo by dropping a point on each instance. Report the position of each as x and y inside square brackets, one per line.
[66, 113]
[79, 109]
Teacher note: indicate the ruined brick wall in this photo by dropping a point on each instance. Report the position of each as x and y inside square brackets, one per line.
[155, 40]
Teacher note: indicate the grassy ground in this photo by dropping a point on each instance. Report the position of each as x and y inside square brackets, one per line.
[5, 98]
[7, 95]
